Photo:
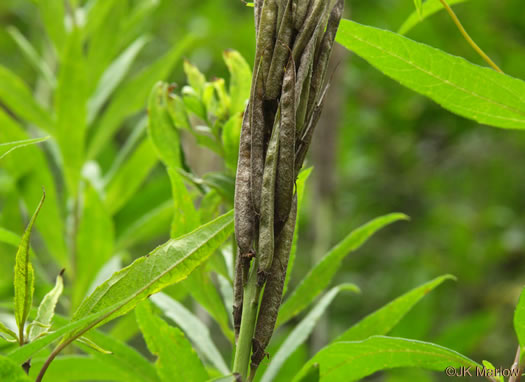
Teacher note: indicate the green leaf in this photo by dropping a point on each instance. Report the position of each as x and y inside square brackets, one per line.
[321, 275]
[222, 183]
[24, 276]
[489, 366]
[417, 4]
[10, 371]
[428, 8]
[300, 185]
[231, 133]
[177, 111]
[112, 77]
[92, 345]
[95, 241]
[53, 15]
[71, 98]
[5, 330]
[32, 55]
[15, 94]
[302, 331]
[166, 265]
[519, 319]
[351, 361]
[312, 374]
[386, 318]
[7, 147]
[240, 80]
[471, 91]
[46, 310]
[195, 78]
[196, 331]
[132, 96]
[175, 354]
[130, 176]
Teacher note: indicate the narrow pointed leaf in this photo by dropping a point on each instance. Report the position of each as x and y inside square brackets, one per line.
[471, 91]
[428, 8]
[24, 276]
[302, 331]
[93, 345]
[323, 272]
[519, 319]
[166, 265]
[240, 80]
[386, 318]
[6, 331]
[46, 310]
[175, 354]
[352, 361]
[196, 331]
[7, 147]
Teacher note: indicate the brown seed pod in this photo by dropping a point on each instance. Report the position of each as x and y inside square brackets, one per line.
[273, 291]
[300, 11]
[244, 213]
[280, 53]
[266, 223]
[266, 35]
[313, 18]
[257, 127]
[285, 169]
[238, 289]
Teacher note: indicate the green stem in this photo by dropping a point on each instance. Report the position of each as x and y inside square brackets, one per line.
[249, 315]
[468, 38]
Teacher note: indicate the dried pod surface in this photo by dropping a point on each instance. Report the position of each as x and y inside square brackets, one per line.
[257, 128]
[273, 291]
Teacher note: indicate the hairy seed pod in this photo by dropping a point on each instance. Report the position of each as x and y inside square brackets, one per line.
[273, 291]
[266, 35]
[238, 289]
[313, 18]
[324, 52]
[301, 9]
[257, 4]
[244, 213]
[280, 54]
[285, 169]
[257, 122]
[266, 225]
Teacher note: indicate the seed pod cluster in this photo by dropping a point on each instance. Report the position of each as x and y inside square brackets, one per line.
[294, 44]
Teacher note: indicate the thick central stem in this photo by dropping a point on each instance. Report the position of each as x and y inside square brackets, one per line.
[249, 316]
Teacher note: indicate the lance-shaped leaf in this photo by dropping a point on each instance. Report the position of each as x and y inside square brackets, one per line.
[53, 14]
[240, 80]
[321, 275]
[7, 333]
[351, 361]
[519, 319]
[468, 90]
[7, 147]
[196, 331]
[166, 265]
[302, 331]
[24, 277]
[386, 318]
[428, 8]
[46, 310]
[175, 354]
[10, 371]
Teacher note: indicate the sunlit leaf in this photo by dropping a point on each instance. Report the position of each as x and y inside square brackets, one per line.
[428, 8]
[240, 80]
[519, 319]
[468, 90]
[7, 147]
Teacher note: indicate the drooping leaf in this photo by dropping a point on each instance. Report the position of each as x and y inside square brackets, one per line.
[166, 265]
[46, 310]
[196, 331]
[471, 91]
[132, 96]
[175, 354]
[240, 80]
[302, 331]
[428, 8]
[95, 241]
[15, 94]
[386, 318]
[112, 77]
[519, 319]
[130, 176]
[71, 109]
[24, 276]
[351, 361]
[10, 371]
[7, 147]
[321, 275]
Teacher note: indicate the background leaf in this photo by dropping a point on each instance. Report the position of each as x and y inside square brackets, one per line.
[7, 147]
[428, 8]
[519, 319]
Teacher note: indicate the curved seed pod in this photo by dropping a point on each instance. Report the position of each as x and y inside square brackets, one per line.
[285, 169]
[258, 4]
[266, 224]
[273, 291]
[324, 52]
[266, 35]
[306, 137]
[257, 122]
[300, 12]
[280, 53]
[238, 289]
[313, 19]
[244, 213]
